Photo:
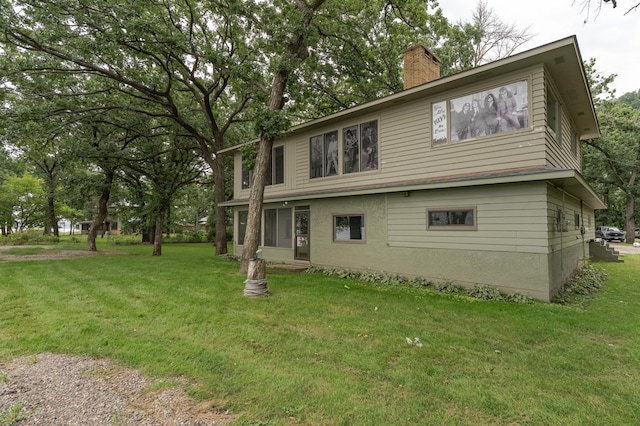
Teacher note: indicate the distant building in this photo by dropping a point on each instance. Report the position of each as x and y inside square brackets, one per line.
[110, 226]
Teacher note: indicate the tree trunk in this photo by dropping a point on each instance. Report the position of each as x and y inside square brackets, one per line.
[256, 284]
[157, 241]
[256, 197]
[630, 222]
[149, 234]
[220, 211]
[51, 214]
[98, 222]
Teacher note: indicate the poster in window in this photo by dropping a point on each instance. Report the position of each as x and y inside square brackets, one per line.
[439, 125]
[315, 153]
[331, 153]
[351, 150]
[369, 154]
[500, 109]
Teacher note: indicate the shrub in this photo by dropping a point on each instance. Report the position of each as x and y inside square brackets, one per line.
[29, 238]
[517, 298]
[392, 279]
[370, 277]
[585, 282]
[124, 240]
[187, 237]
[419, 282]
[313, 269]
[484, 292]
[446, 287]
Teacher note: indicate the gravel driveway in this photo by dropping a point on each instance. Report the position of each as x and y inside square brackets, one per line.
[60, 390]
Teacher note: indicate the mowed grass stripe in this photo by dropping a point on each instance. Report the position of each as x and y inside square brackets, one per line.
[317, 352]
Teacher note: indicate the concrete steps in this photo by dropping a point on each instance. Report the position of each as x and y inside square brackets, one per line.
[600, 250]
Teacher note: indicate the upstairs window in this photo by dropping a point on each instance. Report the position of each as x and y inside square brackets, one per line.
[369, 151]
[359, 150]
[247, 177]
[553, 116]
[275, 173]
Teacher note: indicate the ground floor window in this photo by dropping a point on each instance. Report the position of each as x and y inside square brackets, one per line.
[448, 219]
[348, 228]
[242, 226]
[278, 228]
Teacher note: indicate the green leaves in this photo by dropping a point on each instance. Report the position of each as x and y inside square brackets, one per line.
[270, 124]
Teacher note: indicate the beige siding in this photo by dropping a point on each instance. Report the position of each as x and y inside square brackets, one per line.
[538, 103]
[509, 218]
[516, 247]
[396, 240]
[237, 175]
[559, 154]
[405, 150]
[570, 246]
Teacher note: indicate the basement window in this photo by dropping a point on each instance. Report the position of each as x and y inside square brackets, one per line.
[278, 228]
[459, 219]
[348, 228]
[242, 226]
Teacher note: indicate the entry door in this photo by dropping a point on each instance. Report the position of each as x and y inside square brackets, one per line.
[303, 241]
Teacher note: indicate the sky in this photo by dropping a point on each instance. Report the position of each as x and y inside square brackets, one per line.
[607, 35]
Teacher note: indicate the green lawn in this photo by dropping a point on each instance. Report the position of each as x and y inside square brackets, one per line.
[324, 350]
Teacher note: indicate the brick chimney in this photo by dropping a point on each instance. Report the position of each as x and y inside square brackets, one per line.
[420, 66]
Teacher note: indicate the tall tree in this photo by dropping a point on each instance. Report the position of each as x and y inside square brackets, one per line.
[599, 84]
[294, 36]
[491, 38]
[588, 5]
[190, 62]
[342, 46]
[168, 164]
[614, 158]
[22, 202]
[357, 53]
[631, 98]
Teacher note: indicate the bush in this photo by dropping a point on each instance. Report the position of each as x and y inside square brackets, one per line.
[517, 298]
[124, 240]
[187, 237]
[446, 287]
[584, 283]
[419, 282]
[484, 292]
[28, 238]
[211, 233]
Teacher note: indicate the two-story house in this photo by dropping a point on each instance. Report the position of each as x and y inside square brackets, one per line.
[473, 178]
